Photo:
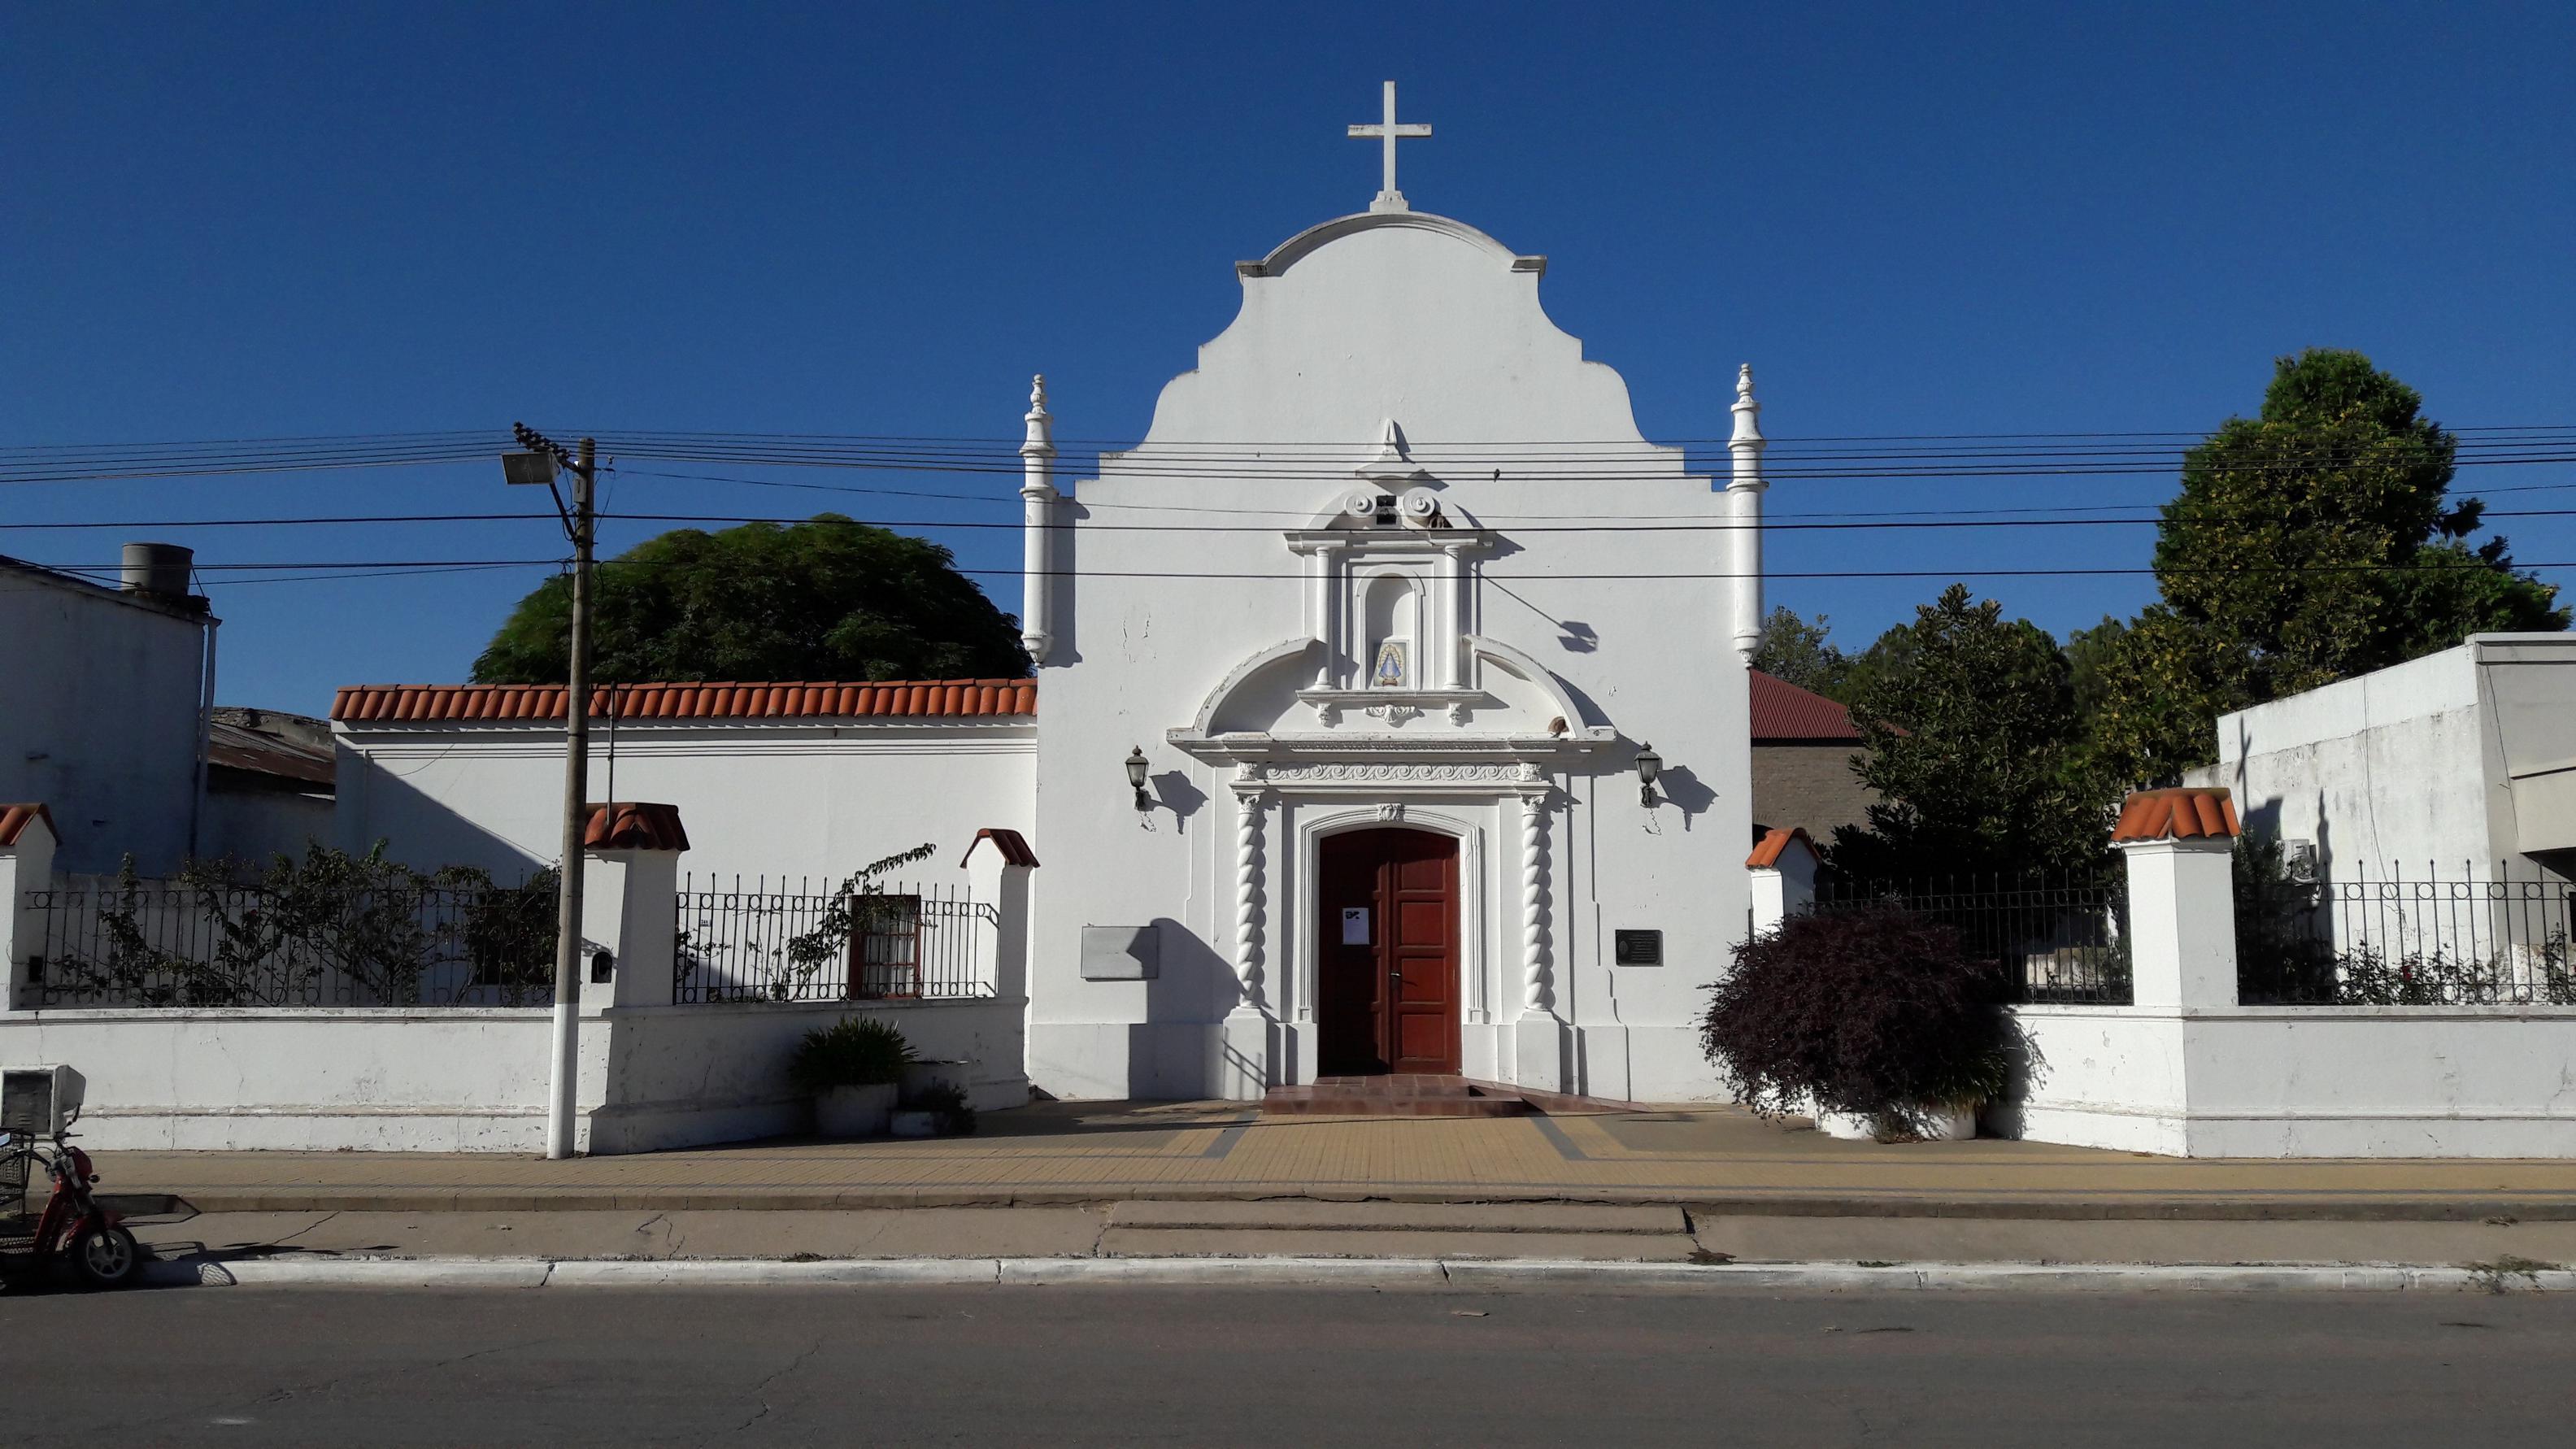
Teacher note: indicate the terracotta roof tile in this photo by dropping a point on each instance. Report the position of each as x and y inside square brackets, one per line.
[1013, 846]
[633, 825]
[14, 818]
[1782, 712]
[2189, 812]
[928, 699]
[1768, 850]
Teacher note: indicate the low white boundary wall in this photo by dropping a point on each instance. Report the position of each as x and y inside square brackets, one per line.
[473, 1079]
[2300, 1081]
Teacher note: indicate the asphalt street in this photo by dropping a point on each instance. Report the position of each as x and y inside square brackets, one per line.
[1130, 1365]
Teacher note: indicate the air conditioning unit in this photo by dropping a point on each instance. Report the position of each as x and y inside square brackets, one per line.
[39, 1101]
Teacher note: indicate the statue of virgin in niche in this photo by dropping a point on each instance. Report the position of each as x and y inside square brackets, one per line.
[1389, 671]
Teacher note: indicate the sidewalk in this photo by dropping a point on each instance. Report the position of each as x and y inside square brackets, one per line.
[1709, 1161]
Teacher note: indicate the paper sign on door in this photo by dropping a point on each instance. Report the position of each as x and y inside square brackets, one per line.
[1355, 925]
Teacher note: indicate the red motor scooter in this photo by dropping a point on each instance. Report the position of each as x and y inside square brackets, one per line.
[73, 1226]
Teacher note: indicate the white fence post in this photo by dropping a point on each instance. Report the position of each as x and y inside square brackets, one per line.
[999, 877]
[631, 907]
[2178, 846]
[26, 864]
[1783, 872]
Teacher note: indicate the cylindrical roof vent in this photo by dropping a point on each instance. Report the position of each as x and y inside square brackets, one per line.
[158, 568]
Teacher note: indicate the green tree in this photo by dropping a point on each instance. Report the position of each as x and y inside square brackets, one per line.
[1973, 743]
[2318, 534]
[2148, 692]
[1802, 652]
[826, 599]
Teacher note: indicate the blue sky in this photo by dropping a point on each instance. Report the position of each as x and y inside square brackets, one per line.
[246, 221]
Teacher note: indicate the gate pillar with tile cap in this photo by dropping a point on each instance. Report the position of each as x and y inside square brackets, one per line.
[2177, 847]
[997, 865]
[629, 910]
[26, 864]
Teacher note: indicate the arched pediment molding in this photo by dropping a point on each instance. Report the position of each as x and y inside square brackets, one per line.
[1494, 651]
[1324, 233]
[1282, 652]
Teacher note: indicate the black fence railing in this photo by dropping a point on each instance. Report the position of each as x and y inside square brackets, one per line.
[2476, 939]
[159, 943]
[761, 941]
[2053, 938]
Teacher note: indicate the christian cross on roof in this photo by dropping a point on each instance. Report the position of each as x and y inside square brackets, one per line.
[1388, 133]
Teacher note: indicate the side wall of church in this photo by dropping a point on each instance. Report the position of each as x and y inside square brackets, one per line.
[759, 798]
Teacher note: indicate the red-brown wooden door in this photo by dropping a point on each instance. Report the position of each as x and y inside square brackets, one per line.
[1387, 980]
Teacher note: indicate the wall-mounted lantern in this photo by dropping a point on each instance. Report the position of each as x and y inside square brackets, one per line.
[1649, 765]
[1136, 768]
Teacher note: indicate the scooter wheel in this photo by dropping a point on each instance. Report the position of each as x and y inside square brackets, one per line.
[105, 1256]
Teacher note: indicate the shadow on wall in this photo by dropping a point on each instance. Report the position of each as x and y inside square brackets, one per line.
[1193, 989]
[2025, 1074]
[1685, 791]
[1174, 792]
[376, 804]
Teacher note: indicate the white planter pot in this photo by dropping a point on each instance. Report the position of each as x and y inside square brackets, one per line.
[910, 1123]
[854, 1111]
[1941, 1124]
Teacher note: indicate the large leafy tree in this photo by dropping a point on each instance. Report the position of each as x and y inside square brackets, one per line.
[826, 599]
[1802, 652]
[2311, 542]
[1972, 741]
[2318, 535]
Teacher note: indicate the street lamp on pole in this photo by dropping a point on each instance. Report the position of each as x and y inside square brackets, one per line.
[537, 466]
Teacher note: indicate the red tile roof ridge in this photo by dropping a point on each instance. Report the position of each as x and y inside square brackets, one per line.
[1768, 850]
[693, 699]
[2183, 812]
[15, 818]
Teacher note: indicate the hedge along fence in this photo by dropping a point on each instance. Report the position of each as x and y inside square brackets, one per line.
[328, 929]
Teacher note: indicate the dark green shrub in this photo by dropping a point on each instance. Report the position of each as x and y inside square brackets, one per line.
[948, 1100]
[1873, 1011]
[856, 1051]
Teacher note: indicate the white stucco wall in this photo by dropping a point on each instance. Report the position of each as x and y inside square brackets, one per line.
[2423, 768]
[469, 1079]
[2301, 1081]
[780, 798]
[101, 723]
[1438, 328]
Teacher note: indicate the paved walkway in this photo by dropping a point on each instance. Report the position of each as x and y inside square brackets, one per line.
[1713, 1160]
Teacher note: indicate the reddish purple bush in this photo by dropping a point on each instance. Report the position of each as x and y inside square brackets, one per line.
[1874, 1011]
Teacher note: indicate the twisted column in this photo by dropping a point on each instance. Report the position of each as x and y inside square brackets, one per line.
[1249, 897]
[1539, 989]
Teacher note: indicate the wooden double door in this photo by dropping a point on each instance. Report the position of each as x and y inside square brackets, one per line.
[1386, 958]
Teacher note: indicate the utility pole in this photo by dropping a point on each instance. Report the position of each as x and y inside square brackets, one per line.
[536, 465]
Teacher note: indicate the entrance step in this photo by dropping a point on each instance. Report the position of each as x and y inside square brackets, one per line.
[1409, 1095]
[1309, 1229]
[1310, 1215]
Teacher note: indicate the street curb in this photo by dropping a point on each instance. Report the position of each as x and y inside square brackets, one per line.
[2089, 1207]
[1461, 1273]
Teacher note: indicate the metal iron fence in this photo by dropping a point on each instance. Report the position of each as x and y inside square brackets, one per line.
[2052, 937]
[161, 943]
[762, 942]
[2501, 940]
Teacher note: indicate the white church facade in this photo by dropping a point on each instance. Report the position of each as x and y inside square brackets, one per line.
[1390, 711]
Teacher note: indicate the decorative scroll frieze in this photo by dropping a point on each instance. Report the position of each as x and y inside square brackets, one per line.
[1397, 772]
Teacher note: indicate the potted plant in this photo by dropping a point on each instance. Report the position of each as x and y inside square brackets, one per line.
[938, 1110]
[851, 1069]
[1873, 1020]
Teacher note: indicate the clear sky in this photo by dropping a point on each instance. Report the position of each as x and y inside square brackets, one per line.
[247, 220]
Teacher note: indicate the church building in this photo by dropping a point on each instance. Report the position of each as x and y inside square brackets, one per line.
[1390, 711]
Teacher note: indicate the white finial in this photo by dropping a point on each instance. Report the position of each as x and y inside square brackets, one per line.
[1748, 412]
[1387, 132]
[1041, 438]
[1743, 380]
